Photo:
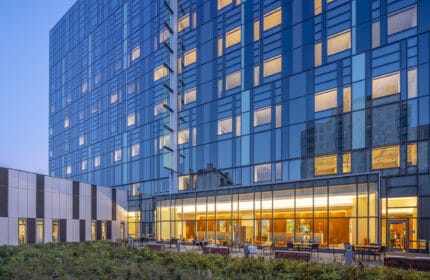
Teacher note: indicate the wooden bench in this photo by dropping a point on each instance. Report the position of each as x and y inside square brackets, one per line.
[418, 263]
[225, 251]
[155, 246]
[300, 256]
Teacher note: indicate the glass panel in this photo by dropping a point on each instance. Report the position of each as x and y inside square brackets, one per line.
[318, 53]
[412, 154]
[190, 57]
[272, 19]
[326, 100]
[325, 165]
[262, 116]
[183, 22]
[272, 66]
[256, 30]
[39, 232]
[347, 99]
[386, 85]
[233, 37]
[376, 34]
[339, 42]
[412, 83]
[225, 126]
[223, 3]
[386, 157]
[402, 21]
[55, 231]
[22, 232]
[263, 172]
[233, 80]
[317, 7]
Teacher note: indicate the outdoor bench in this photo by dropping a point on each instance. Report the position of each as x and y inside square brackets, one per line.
[300, 256]
[225, 251]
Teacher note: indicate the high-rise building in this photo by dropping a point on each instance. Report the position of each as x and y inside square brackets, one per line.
[262, 121]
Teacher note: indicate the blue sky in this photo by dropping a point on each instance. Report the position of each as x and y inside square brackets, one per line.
[24, 80]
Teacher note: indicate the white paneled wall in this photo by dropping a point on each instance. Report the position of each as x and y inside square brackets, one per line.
[58, 205]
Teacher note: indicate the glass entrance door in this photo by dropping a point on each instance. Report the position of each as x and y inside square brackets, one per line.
[397, 236]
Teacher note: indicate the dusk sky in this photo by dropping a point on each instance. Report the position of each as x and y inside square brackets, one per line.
[24, 80]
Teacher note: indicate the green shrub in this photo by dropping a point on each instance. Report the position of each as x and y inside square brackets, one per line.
[99, 260]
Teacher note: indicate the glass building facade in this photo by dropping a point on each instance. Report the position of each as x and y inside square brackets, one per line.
[252, 120]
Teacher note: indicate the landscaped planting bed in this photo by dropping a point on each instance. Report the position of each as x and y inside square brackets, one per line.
[99, 260]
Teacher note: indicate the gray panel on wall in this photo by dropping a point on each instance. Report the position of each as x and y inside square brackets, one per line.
[94, 202]
[63, 230]
[40, 196]
[424, 229]
[113, 204]
[4, 201]
[82, 230]
[4, 192]
[109, 230]
[4, 176]
[31, 231]
[75, 204]
[99, 230]
[424, 207]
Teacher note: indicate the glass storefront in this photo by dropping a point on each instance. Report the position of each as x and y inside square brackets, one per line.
[325, 213]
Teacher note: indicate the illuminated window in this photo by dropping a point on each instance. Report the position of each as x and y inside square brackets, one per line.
[135, 189]
[184, 182]
[223, 3]
[278, 115]
[194, 136]
[402, 21]
[238, 2]
[81, 140]
[317, 7]
[135, 53]
[113, 98]
[190, 57]
[194, 19]
[84, 165]
[66, 122]
[160, 72]
[220, 46]
[84, 87]
[325, 165]
[386, 157]
[339, 42]
[159, 108]
[219, 88]
[190, 96]
[183, 136]
[386, 85]
[117, 155]
[256, 75]
[233, 80]
[39, 232]
[93, 230]
[97, 161]
[183, 22]
[272, 19]
[164, 35]
[318, 54]
[164, 141]
[238, 126]
[256, 30]
[412, 83]
[412, 154]
[272, 66]
[326, 100]
[69, 169]
[225, 126]
[233, 37]
[262, 172]
[55, 231]
[22, 231]
[131, 119]
[376, 34]
[135, 150]
[347, 99]
[346, 163]
[262, 116]
[179, 65]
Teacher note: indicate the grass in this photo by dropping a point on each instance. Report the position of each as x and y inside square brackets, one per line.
[98, 260]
